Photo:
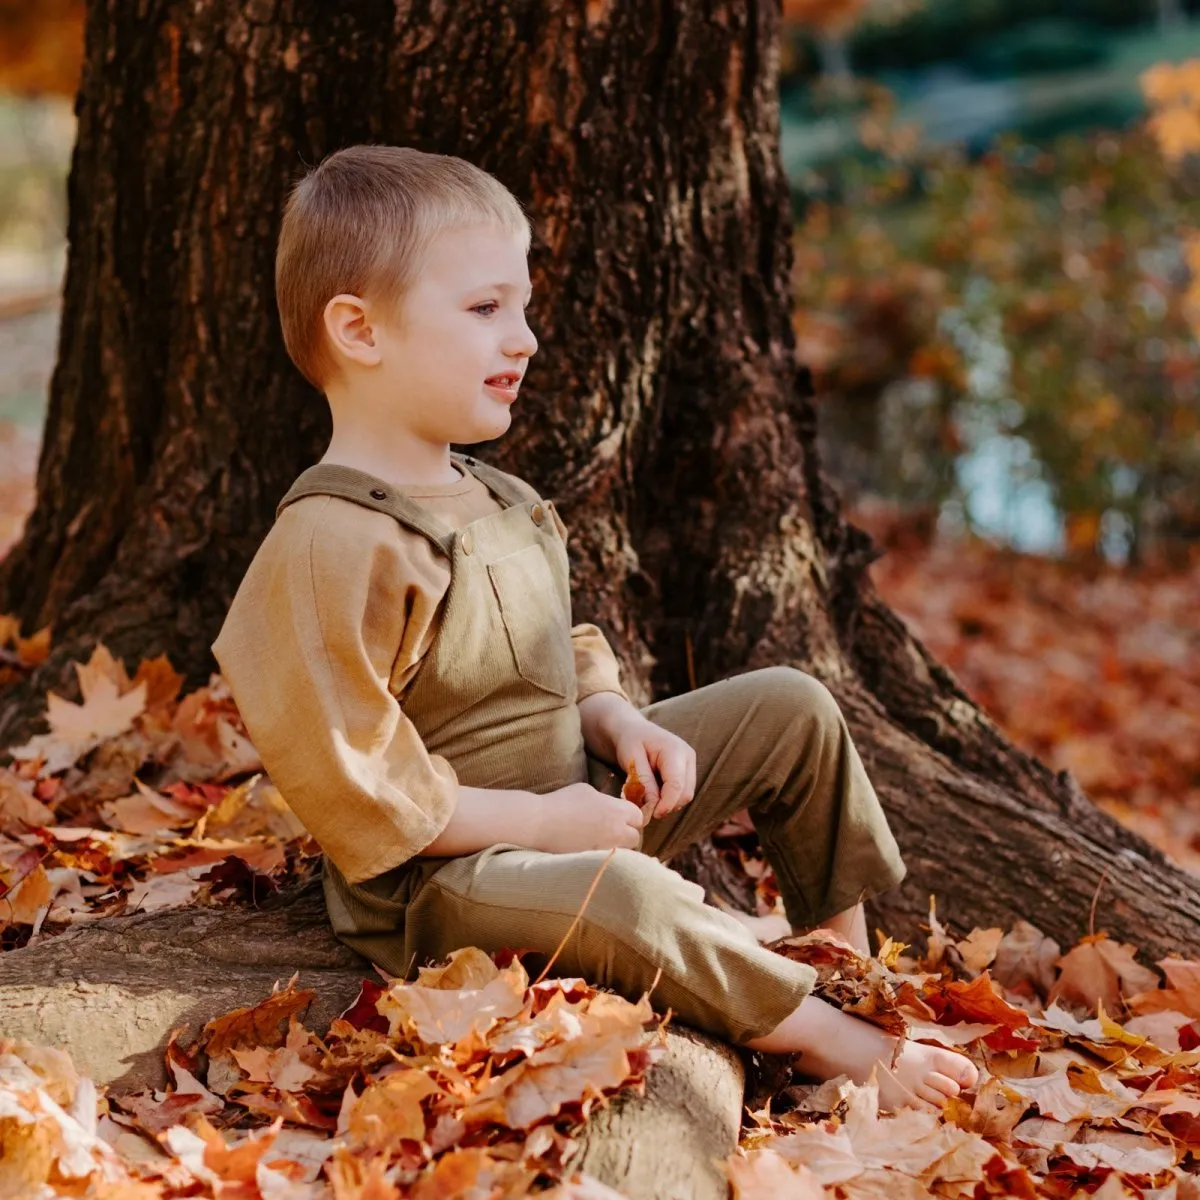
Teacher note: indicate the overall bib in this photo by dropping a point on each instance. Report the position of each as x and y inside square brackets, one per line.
[495, 696]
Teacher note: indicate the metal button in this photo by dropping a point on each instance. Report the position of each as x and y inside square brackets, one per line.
[467, 543]
[538, 513]
[378, 494]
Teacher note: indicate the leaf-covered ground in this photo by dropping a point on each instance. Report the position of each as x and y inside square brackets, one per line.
[471, 1079]
[1093, 668]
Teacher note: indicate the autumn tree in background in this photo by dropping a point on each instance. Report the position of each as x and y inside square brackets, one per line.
[667, 411]
[1037, 292]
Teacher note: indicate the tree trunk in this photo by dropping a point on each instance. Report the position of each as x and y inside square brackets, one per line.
[665, 411]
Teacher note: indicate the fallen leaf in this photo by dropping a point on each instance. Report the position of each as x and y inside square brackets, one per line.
[978, 949]
[767, 1175]
[1100, 971]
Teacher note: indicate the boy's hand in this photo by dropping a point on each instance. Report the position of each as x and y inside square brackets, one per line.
[650, 749]
[578, 817]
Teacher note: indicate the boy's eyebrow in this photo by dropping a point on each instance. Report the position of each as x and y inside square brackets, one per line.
[503, 287]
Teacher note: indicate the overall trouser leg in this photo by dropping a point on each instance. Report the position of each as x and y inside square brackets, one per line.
[776, 743]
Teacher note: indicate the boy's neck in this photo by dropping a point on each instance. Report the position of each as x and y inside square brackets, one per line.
[393, 454]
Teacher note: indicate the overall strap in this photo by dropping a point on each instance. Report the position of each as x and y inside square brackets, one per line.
[511, 490]
[347, 483]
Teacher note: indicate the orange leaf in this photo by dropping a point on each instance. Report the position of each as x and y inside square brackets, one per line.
[633, 789]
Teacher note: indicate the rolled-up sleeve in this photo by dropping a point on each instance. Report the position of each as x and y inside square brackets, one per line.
[308, 649]
[596, 666]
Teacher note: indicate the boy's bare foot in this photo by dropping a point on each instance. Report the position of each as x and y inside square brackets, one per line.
[830, 1042]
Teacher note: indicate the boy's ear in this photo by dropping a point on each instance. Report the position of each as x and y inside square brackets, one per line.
[348, 326]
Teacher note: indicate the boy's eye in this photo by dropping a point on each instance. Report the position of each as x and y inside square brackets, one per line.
[491, 305]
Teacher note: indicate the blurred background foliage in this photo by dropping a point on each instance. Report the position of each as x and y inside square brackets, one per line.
[992, 264]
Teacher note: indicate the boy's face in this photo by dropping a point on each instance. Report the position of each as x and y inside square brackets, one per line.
[461, 325]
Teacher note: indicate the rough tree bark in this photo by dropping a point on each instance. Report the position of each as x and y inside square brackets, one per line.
[665, 412]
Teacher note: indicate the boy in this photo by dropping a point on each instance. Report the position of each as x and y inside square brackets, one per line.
[402, 654]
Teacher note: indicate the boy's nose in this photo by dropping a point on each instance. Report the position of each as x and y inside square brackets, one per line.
[526, 343]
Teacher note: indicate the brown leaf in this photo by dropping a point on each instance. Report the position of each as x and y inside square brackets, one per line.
[1057, 1099]
[438, 1015]
[1026, 956]
[473, 1172]
[767, 1175]
[1181, 994]
[354, 1177]
[18, 807]
[28, 897]
[76, 729]
[979, 947]
[390, 1109]
[147, 811]
[162, 682]
[1100, 971]
[978, 1000]
[261, 1024]
[289, 1067]
[570, 1072]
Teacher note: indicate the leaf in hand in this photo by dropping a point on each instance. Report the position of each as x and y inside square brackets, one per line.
[634, 790]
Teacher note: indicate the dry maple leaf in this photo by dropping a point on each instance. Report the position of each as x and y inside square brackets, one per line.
[289, 1067]
[109, 707]
[1181, 993]
[227, 1169]
[76, 729]
[389, 1109]
[466, 969]
[436, 1015]
[978, 949]
[1026, 956]
[19, 808]
[978, 1000]
[162, 682]
[28, 898]
[767, 1175]
[473, 1172]
[911, 1143]
[569, 1073]
[1057, 1099]
[31, 651]
[1100, 971]
[42, 1140]
[355, 1177]
[147, 811]
[261, 1024]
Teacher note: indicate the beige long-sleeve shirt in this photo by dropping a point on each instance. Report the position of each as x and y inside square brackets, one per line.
[326, 631]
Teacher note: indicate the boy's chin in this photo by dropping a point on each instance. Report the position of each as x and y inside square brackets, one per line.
[490, 425]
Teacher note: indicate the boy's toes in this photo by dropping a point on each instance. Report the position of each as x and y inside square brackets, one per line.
[957, 1068]
[965, 1072]
[930, 1097]
[943, 1084]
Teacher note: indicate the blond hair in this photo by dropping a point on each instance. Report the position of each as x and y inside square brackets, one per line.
[360, 222]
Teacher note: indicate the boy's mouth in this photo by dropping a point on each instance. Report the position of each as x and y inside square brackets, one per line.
[508, 382]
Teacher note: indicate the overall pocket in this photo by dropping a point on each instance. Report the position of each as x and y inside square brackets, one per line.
[539, 631]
